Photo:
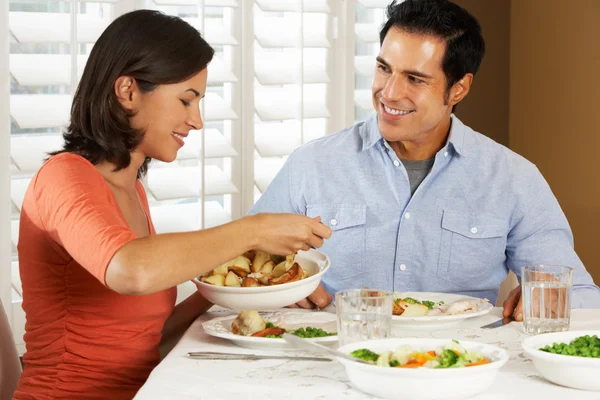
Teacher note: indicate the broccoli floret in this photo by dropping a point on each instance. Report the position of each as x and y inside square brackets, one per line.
[365, 354]
[394, 363]
[429, 304]
[447, 359]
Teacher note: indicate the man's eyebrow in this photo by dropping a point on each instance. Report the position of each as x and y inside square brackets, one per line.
[417, 73]
[406, 71]
[382, 61]
[196, 93]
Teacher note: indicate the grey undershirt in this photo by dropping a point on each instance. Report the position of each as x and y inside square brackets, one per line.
[417, 171]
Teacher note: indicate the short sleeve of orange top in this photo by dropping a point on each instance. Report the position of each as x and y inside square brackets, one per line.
[83, 340]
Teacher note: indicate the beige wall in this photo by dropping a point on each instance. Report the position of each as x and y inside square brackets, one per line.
[486, 107]
[555, 107]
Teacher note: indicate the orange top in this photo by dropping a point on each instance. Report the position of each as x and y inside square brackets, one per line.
[84, 341]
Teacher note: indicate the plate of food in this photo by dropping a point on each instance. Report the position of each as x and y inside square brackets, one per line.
[406, 367]
[570, 359]
[429, 309]
[264, 330]
[261, 281]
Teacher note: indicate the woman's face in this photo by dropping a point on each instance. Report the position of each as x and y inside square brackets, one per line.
[167, 114]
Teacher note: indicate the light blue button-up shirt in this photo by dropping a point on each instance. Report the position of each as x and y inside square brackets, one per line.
[481, 211]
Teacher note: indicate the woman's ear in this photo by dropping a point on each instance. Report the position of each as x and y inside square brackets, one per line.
[124, 88]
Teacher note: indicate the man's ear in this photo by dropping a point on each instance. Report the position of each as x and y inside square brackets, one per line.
[124, 89]
[460, 89]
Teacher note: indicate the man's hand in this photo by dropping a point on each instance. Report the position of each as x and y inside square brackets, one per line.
[513, 305]
[320, 298]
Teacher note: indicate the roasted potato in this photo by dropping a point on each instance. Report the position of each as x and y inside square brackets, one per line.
[232, 279]
[294, 274]
[217, 280]
[279, 270]
[267, 267]
[256, 268]
[412, 310]
[260, 258]
[249, 282]
[247, 323]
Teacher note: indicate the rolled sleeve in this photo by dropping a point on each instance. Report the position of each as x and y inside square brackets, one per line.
[542, 235]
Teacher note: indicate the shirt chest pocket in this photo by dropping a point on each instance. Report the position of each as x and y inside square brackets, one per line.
[472, 246]
[346, 246]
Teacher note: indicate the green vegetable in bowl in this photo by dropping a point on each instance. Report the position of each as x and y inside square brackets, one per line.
[448, 358]
[583, 346]
[365, 354]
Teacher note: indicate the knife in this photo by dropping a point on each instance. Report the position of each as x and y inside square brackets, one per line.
[498, 323]
[198, 355]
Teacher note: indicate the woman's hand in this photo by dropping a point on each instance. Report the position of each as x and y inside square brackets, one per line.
[285, 234]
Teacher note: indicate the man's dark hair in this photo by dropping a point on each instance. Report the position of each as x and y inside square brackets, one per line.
[151, 47]
[447, 21]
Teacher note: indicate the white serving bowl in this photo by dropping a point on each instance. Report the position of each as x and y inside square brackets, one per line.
[270, 297]
[422, 383]
[574, 372]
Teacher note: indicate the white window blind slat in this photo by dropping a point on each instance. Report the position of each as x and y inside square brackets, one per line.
[269, 69]
[176, 182]
[274, 103]
[216, 109]
[375, 3]
[265, 170]
[29, 151]
[35, 27]
[18, 187]
[213, 31]
[35, 111]
[187, 217]
[321, 6]
[207, 3]
[368, 33]
[44, 69]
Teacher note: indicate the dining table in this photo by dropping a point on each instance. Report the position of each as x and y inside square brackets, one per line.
[180, 377]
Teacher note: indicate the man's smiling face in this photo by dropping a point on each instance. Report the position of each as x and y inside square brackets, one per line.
[409, 87]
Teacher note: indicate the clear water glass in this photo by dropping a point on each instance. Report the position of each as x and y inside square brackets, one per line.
[363, 314]
[546, 295]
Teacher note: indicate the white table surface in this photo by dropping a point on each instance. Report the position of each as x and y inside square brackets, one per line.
[178, 377]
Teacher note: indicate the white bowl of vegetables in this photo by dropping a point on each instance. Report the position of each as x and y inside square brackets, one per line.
[423, 369]
[569, 359]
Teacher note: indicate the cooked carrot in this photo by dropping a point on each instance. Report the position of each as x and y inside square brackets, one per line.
[483, 361]
[414, 363]
[411, 365]
[431, 353]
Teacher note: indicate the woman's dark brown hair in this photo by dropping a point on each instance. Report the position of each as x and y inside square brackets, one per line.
[147, 45]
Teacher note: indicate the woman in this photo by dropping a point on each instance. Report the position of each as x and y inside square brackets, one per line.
[99, 285]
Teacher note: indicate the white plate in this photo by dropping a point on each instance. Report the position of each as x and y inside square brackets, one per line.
[288, 319]
[270, 297]
[437, 320]
[423, 383]
[575, 372]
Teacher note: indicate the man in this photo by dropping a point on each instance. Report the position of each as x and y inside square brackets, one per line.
[417, 200]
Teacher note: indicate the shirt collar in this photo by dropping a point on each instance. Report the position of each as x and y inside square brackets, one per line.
[456, 139]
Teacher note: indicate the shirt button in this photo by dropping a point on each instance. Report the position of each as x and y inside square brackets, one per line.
[407, 215]
[396, 163]
[402, 267]
[333, 222]
[473, 230]
[445, 154]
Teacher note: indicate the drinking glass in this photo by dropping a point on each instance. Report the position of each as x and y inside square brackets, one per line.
[363, 314]
[546, 293]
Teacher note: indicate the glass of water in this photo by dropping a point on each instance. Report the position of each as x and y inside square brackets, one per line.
[363, 314]
[546, 293]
